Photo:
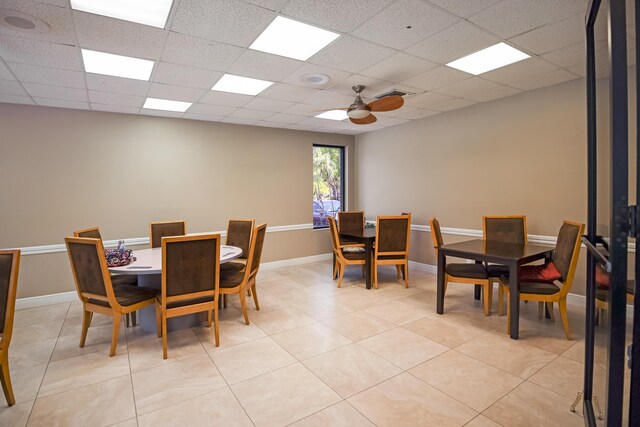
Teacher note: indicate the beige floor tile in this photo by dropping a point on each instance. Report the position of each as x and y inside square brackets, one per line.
[147, 353]
[278, 284]
[26, 383]
[219, 407]
[281, 397]
[443, 330]
[301, 296]
[532, 405]
[351, 369]
[272, 322]
[159, 387]
[248, 360]
[339, 415]
[311, 340]
[482, 421]
[83, 370]
[358, 325]
[425, 300]
[40, 315]
[99, 404]
[324, 309]
[403, 348]
[509, 355]
[406, 401]
[360, 298]
[133, 422]
[468, 380]
[544, 334]
[232, 332]
[36, 332]
[27, 354]
[16, 415]
[565, 376]
[393, 291]
[98, 340]
[267, 301]
[397, 312]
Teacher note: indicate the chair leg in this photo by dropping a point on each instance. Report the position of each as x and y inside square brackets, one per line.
[86, 321]
[255, 296]
[508, 318]
[133, 318]
[485, 300]
[216, 329]
[248, 292]
[116, 333]
[406, 275]
[490, 298]
[164, 336]
[209, 319]
[340, 273]
[375, 276]
[336, 267]
[243, 304]
[562, 307]
[398, 273]
[224, 301]
[159, 320]
[363, 270]
[540, 309]
[550, 310]
[5, 378]
[597, 320]
[127, 320]
[500, 299]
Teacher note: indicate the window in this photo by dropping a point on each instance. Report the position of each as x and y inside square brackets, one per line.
[328, 183]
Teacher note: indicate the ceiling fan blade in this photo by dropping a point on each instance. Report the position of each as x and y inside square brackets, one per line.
[388, 103]
[367, 120]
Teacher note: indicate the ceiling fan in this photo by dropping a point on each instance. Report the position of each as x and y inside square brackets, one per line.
[360, 113]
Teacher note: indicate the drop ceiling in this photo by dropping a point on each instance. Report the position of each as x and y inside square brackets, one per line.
[383, 44]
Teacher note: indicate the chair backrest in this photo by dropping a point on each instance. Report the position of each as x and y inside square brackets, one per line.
[505, 228]
[89, 267]
[9, 266]
[405, 213]
[392, 235]
[333, 232]
[567, 252]
[350, 221]
[190, 267]
[255, 251]
[92, 233]
[158, 230]
[436, 234]
[239, 234]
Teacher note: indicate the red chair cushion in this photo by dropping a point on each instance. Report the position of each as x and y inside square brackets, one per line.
[540, 273]
[602, 278]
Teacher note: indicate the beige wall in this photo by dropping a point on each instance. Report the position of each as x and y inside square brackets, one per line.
[61, 170]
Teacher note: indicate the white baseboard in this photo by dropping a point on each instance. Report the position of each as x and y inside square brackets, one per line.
[31, 302]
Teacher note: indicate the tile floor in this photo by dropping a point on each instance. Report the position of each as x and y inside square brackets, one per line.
[314, 355]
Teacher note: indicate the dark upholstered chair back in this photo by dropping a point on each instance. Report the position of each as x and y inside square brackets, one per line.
[91, 233]
[507, 229]
[436, 234]
[190, 264]
[392, 234]
[567, 248]
[239, 235]
[351, 221]
[9, 266]
[158, 230]
[87, 263]
[333, 231]
[256, 254]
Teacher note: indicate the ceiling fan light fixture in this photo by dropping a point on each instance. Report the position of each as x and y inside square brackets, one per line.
[358, 113]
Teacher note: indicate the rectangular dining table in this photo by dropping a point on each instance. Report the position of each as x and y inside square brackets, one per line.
[509, 254]
[366, 236]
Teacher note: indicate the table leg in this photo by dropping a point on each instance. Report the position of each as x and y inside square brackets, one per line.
[333, 271]
[442, 262]
[367, 261]
[514, 300]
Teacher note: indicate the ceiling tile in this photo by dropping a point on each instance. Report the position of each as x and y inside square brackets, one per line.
[55, 92]
[453, 104]
[264, 66]
[49, 76]
[244, 113]
[285, 92]
[338, 15]
[464, 8]
[549, 79]
[10, 87]
[176, 93]
[329, 99]
[552, 36]
[460, 89]
[160, 113]
[484, 95]
[62, 103]
[333, 73]
[398, 67]
[226, 21]
[195, 52]
[13, 99]
[454, 42]
[25, 51]
[114, 108]
[239, 121]
[182, 75]
[202, 117]
[509, 18]
[437, 78]
[351, 54]
[389, 121]
[372, 86]
[519, 71]
[268, 4]
[567, 56]
[269, 124]
[315, 122]
[103, 83]
[426, 100]
[302, 127]
[390, 27]
[5, 73]
[211, 110]
[412, 113]
[58, 19]
[285, 118]
[264, 104]
[61, 3]
[116, 99]
[306, 110]
[225, 99]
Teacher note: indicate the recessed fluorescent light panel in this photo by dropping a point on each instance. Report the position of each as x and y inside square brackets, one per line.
[293, 39]
[333, 115]
[116, 65]
[241, 85]
[166, 105]
[147, 12]
[488, 59]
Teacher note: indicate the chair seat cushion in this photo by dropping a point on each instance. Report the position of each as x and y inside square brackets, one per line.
[176, 304]
[470, 271]
[353, 250]
[497, 270]
[232, 266]
[539, 288]
[124, 279]
[602, 292]
[540, 273]
[231, 279]
[353, 256]
[128, 295]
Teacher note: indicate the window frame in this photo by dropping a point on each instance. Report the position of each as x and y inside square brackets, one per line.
[343, 181]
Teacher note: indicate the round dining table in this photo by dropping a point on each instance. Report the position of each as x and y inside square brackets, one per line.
[148, 268]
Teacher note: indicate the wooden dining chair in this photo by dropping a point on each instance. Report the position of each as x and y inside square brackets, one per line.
[116, 279]
[343, 257]
[565, 259]
[190, 281]
[158, 230]
[602, 298]
[472, 274]
[239, 235]
[507, 229]
[351, 221]
[9, 266]
[238, 282]
[96, 291]
[392, 245]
